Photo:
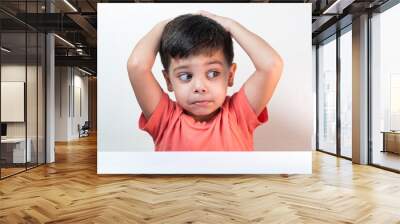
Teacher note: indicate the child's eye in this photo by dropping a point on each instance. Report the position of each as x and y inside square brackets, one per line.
[212, 74]
[185, 76]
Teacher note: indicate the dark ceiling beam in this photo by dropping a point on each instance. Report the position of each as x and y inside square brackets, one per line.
[63, 7]
[381, 6]
[329, 12]
[78, 19]
[49, 22]
[86, 26]
[337, 7]
[320, 22]
[16, 18]
[86, 51]
[91, 5]
[332, 29]
[84, 61]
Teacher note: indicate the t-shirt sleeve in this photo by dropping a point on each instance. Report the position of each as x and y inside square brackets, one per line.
[245, 114]
[158, 120]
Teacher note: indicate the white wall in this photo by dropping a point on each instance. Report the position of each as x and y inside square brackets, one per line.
[80, 84]
[61, 103]
[67, 117]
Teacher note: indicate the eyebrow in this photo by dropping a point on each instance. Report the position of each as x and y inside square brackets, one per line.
[208, 63]
[180, 67]
[215, 62]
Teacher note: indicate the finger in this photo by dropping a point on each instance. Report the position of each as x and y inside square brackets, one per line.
[205, 13]
[200, 12]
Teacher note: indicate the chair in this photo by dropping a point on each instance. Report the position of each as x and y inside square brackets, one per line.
[84, 130]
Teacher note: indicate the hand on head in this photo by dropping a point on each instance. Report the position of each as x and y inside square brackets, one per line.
[223, 21]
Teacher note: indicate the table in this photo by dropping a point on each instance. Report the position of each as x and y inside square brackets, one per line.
[16, 147]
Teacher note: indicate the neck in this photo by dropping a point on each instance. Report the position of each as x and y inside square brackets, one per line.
[202, 118]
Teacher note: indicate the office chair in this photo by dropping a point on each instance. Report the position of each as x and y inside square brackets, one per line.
[84, 130]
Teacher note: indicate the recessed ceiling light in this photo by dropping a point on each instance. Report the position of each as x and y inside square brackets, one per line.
[70, 5]
[337, 7]
[5, 50]
[64, 40]
[84, 71]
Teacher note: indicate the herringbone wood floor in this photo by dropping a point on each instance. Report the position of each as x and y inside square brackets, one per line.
[70, 191]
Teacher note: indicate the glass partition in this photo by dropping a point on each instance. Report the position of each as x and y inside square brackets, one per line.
[22, 77]
[41, 87]
[346, 94]
[385, 89]
[13, 110]
[327, 96]
[32, 95]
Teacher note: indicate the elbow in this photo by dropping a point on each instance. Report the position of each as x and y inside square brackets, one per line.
[274, 67]
[132, 65]
[135, 66]
[277, 64]
[133, 71]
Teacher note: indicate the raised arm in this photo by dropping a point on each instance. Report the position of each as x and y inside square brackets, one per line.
[147, 90]
[260, 86]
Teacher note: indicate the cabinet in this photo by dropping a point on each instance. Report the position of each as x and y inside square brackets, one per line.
[391, 141]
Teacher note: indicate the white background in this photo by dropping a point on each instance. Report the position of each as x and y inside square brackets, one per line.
[287, 27]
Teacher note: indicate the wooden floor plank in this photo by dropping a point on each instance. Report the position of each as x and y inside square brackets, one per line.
[70, 191]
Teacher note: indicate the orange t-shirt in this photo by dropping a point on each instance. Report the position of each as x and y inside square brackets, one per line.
[230, 130]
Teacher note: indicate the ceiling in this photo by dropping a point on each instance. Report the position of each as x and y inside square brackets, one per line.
[76, 22]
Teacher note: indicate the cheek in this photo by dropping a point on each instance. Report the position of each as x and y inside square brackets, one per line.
[181, 92]
[220, 90]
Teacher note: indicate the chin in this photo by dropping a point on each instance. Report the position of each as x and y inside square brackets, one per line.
[198, 111]
[203, 112]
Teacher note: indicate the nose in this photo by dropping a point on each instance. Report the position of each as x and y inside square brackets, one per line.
[199, 86]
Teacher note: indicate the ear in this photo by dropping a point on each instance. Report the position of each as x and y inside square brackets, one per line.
[231, 74]
[167, 80]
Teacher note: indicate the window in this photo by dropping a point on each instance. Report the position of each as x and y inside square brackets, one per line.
[346, 93]
[327, 97]
[385, 88]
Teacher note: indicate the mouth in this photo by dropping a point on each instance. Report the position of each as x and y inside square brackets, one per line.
[202, 103]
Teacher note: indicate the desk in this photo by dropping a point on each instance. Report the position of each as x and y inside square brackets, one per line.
[17, 150]
[391, 141]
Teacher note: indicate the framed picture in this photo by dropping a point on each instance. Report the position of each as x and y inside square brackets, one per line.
[281, 141]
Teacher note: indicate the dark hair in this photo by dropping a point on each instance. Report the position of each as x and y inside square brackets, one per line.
[190, 34]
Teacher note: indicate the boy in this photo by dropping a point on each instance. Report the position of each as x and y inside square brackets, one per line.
[197, 52]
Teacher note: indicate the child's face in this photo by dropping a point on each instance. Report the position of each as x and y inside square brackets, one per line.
[200, 83]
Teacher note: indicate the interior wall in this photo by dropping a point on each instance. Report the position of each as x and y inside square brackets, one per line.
[80, 110]
[61, 103]
[71, 102]
[15, 72]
